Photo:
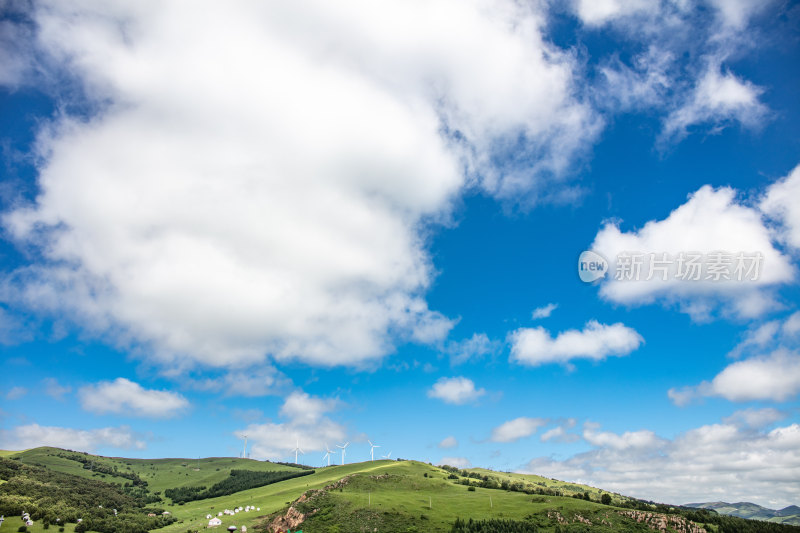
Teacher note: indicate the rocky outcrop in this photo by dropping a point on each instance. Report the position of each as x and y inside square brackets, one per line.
[663, 522]
[287, 522]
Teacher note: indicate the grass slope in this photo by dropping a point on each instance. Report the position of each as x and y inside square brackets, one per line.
[383, 495]
[160, 474]
[399, 497]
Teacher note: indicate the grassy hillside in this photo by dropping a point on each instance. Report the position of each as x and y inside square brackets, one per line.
[386, 496]
[160, 474]
[7, 453]
[568, 489]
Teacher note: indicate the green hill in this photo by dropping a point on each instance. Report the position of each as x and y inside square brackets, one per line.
[787, 515]
[385, 496]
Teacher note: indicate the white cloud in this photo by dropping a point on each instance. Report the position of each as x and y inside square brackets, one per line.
[598, 12]
[471, 349]
[16, 392]
[125, 397]
[780, 203]
[712, 462]
[455, 390]
[303, 408]
[516, 429]
[448, 442]
[737, 13]
[264, 380]
[718, 98]
[54, 389]
[535, 346]
[305, 422]
[560, 432]
[458, 462]
[544, 311]
[643, 84]
[757, 337]
[791, 326]
[710, 221]
[642, 439]
[88, 440]
[775, 377]
[256, 180]
[769, 371]
[755, 418]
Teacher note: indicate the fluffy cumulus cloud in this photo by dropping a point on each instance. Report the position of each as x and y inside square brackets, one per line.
[125, 397]
[774, 376]
[729, 460]
[768, 369]
[256, 179]
[455, 390]
[780, 203]
[305, 421]
[711, 250]
[86, 440]
[516, 429]
[536, 346]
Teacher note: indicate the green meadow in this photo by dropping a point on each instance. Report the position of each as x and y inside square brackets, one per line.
[384, 495]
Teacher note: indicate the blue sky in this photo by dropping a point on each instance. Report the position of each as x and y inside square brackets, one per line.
[295, 222]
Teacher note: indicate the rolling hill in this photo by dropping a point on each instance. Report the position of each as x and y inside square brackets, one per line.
[787, 515]
[385, 495]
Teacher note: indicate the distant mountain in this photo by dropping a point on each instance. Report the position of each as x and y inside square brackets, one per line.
[787, 515]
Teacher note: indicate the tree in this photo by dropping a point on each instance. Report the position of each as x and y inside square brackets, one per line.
[605, 499]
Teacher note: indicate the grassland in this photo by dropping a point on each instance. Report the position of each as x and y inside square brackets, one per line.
[160, 474]
[384, 495]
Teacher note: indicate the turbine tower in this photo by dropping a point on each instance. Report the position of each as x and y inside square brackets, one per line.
[244, 452]
[343, 449]
[327, 455]
[372, 450]
[297, 449]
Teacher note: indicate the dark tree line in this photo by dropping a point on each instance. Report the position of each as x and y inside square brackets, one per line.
[237, 481]
[56, 498]
[493, 526]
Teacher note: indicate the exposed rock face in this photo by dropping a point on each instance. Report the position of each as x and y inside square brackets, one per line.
[290, 520]
[661, 522]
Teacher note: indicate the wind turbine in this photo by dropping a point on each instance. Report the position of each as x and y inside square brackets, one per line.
[387, 456]
[244, 453]
[343, 450]
[297, 449]
[327, 455]
[372, 450]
